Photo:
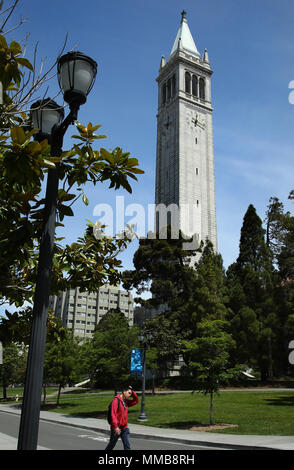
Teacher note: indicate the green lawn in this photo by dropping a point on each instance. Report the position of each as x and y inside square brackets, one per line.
[254, 412]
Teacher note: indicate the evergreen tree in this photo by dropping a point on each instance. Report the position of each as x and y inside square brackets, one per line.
[163, 269]
[255, 312]
[284, 291]
[208, 349]
[209, 289]
[286, 255]
[253, 251]
[275, 227]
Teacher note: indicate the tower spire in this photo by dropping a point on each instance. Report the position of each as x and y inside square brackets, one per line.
[186, 37]
[184, 15]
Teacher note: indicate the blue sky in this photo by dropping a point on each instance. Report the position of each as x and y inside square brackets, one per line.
[251, 50]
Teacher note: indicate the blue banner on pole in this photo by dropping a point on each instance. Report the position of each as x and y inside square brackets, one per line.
[136, 362]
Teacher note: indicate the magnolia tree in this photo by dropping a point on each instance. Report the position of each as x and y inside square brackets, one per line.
[90, 261]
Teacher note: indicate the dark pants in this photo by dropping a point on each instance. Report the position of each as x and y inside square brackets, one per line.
[125, 437]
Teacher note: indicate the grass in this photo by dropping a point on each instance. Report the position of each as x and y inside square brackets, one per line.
[254, 412]
[12, 392]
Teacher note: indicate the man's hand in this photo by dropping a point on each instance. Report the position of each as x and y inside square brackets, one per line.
[117, 431]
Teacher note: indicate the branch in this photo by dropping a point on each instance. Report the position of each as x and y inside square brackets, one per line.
[12, 8]
[22, 98]
[21, 289]
[21, 21]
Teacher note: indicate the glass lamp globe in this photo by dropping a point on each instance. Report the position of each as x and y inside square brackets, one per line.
[45, 115]
[76, 76]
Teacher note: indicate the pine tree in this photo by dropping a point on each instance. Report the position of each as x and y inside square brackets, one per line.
[208, 350]
[284, 289]
[162, 269]
[275, 227]
[254, 321]
[253, 251]
[209, 291]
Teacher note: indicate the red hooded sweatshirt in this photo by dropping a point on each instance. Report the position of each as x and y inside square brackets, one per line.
[119, 412]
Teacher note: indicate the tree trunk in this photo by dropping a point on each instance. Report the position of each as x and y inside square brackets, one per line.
[58, 396]
[270, 359]
[211, 408]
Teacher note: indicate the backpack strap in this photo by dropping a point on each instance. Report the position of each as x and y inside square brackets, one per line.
[118, 403]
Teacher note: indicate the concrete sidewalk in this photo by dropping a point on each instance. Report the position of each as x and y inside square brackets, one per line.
[225, 441]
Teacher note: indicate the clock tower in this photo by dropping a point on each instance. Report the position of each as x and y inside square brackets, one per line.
[184, 154]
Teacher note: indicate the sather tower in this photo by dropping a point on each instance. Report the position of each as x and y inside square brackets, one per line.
[185, 159]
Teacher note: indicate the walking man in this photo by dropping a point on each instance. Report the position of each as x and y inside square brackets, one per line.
[119, 417]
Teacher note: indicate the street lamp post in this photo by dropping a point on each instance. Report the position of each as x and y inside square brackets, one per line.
[76, 76]
[143, 339]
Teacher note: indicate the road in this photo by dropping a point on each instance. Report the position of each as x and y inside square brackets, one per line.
[54, 436]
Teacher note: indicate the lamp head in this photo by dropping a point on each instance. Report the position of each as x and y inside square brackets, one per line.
[45, 115]
[76, 76]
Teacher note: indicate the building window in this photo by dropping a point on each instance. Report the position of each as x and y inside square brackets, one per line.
[173, 85]
[168, 88]
[163, 93]
[187, 82]
[202, 88]
[194, 85]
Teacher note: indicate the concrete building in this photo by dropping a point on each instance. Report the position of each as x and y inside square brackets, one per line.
[81, 311]
[184, 155]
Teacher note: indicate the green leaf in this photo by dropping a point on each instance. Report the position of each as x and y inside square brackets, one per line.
[85, 199]
[94, 128]
[66, 210]
[84, 139]
[48, 163]
[132, 162]
[31, 133]
[3, 43]
[107, 155]
[17, 135]
[25, 63]
[15, 48]
[137, 170]
[64, 196]
[94, 136]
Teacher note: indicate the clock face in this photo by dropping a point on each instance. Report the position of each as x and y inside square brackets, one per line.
[197, 121]
[194, 120]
